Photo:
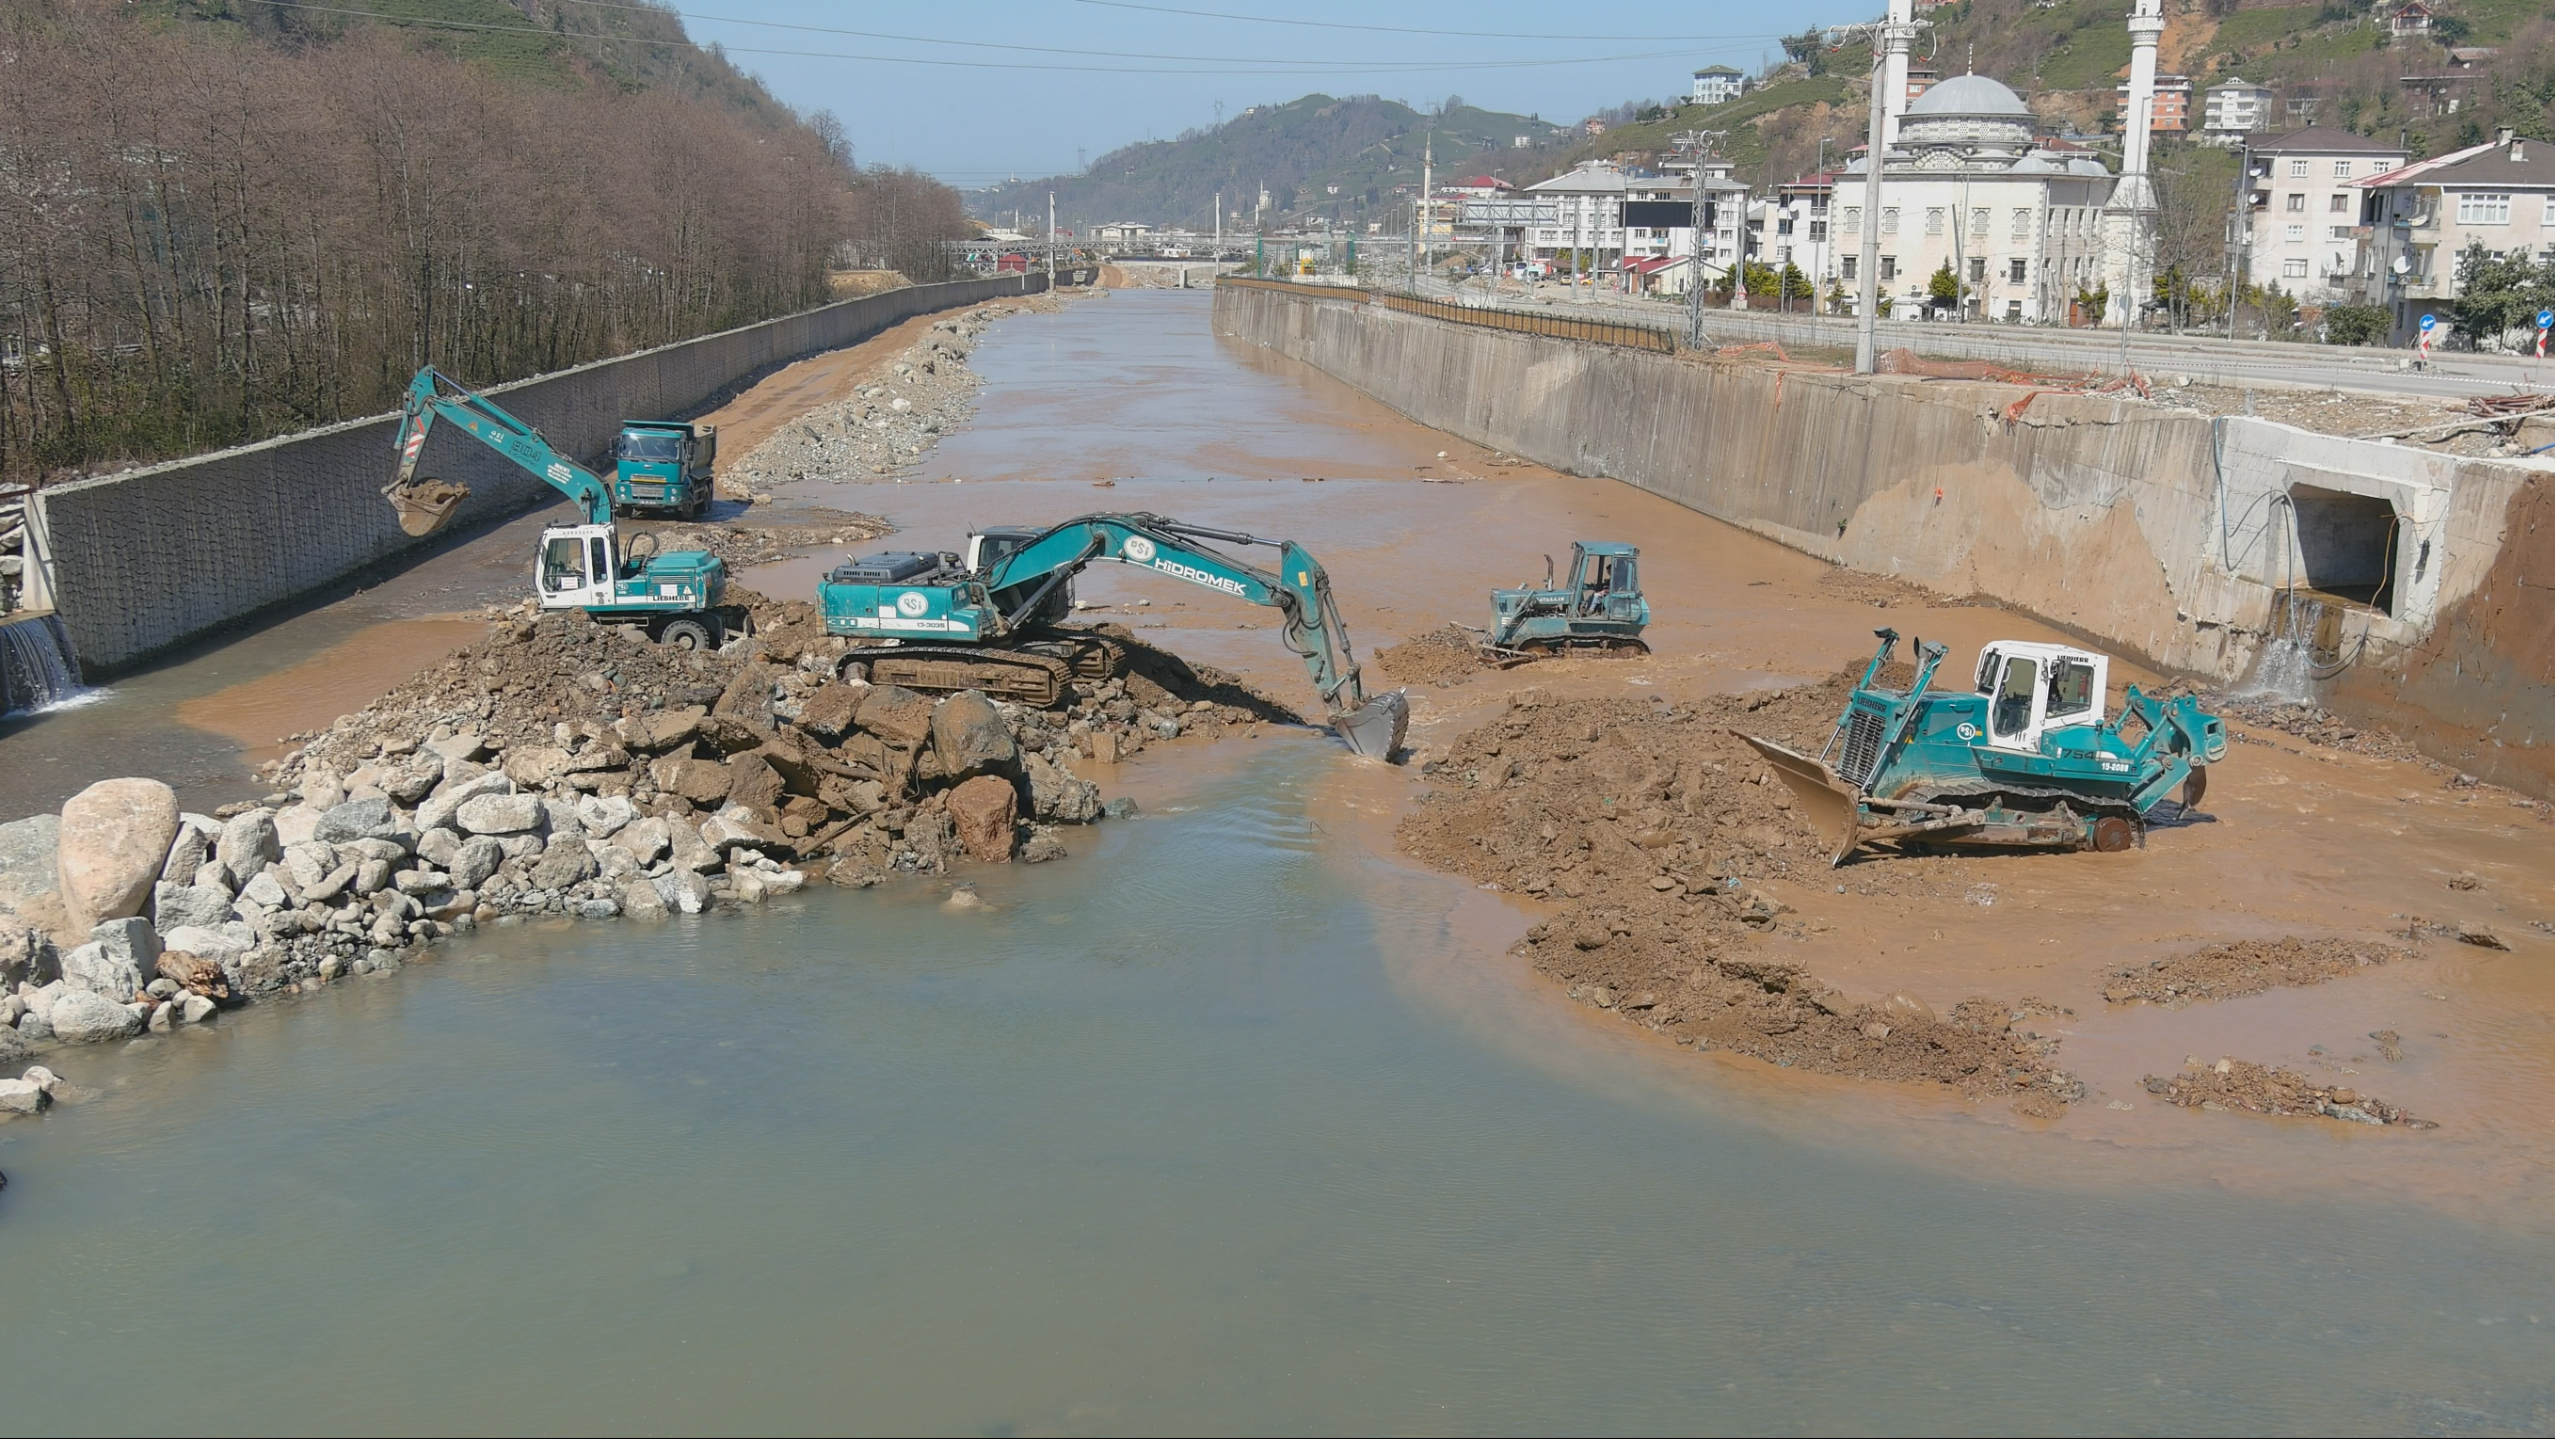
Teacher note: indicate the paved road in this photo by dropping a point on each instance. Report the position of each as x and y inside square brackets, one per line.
[2205, 360]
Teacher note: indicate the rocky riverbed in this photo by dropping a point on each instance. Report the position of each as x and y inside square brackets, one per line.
[558, 768]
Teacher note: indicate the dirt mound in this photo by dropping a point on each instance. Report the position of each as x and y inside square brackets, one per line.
[2258, 1089]
[1441, 657]
[2231, 971]
[780, 537]
[2316, 726]
[1654, 823]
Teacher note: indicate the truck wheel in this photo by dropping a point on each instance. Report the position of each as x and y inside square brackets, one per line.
[687, 634]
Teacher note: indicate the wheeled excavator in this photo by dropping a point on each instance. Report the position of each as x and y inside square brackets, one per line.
[992, 619]
[679, 597]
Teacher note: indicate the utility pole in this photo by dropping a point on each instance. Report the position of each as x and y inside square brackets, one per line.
[1410, 257]
[1889, 39]
[1427, 172]
[1696, 145]
[1051, 240]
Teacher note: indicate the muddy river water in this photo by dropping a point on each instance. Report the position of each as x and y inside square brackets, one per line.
[1231, 1121]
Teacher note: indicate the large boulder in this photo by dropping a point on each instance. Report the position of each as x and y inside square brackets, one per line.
[603, 816]
[735, 827]
[535, 766]
[831, 710]
[356, 819]
[702, 781]
[79, 1017]
[1058, 794]
[187, 853]
[968, 735]
[115, 835]
[474, 860]
[438, 810]
[897, 715]
[199, 973]
[662, 730]
[248, 843]
[753, 784]
[985, 810]
[31, 870]
[501, 814]
[92, 969]
[173, 905]
[646, 840]
[566, 862]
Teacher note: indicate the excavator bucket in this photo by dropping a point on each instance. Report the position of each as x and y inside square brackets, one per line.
[1375, 728]
[425, 505]
[1832, 806]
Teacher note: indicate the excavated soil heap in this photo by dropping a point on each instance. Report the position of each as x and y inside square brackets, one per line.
[1441, 657]
[1653, 824]
[2257, 1089]
[2231, 971]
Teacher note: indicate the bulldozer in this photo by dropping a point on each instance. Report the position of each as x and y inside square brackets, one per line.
[1599, 611]
[2027, 759]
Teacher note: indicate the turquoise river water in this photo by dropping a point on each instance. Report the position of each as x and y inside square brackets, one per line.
[1161, 1140]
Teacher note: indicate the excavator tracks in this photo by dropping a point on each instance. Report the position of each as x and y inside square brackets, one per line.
[1035, 674]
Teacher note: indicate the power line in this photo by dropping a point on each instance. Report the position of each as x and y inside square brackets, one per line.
[1361, 68]
[1382, 29]
[1061, 50]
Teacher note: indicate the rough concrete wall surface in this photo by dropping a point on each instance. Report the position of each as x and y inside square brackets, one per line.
[2161, 533]
[149, 558]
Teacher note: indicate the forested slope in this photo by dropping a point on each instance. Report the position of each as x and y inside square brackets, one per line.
[224, 221]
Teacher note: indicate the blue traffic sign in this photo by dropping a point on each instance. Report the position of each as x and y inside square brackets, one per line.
[2430, 322]
[2546, 319]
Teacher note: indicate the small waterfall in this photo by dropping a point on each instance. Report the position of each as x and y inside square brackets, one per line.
[2305, 635]
[36, 669]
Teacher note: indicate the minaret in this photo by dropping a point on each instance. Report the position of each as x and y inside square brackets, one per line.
[2128, 221]
[1894, 68]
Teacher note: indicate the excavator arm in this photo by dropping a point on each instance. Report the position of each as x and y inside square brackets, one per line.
[426, 505]
[1298, 589]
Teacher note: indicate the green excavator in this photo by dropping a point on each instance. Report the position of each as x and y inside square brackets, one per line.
[678, 597]
[992, 619]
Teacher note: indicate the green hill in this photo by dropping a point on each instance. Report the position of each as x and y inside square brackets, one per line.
[1299, 152]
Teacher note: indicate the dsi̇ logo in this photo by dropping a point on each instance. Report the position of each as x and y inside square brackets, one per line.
[1138, 549]
[911, 604]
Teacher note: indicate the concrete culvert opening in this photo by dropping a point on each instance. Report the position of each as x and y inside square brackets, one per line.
[2346, 545]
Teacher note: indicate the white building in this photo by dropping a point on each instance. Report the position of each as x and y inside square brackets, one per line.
[2299, 224]
[1715, 84]
[2234, 109]
[2419, 219]
[1969, 184]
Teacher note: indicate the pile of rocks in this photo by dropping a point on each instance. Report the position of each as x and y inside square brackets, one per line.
[557, 768]
[884, 426]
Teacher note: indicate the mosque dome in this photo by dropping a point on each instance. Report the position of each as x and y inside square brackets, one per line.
[1970, 112]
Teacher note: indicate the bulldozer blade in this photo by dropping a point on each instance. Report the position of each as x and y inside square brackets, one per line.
[426, 506]
[1375, 728]
[1833, 807]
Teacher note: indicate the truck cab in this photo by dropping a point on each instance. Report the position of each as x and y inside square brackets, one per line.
[663, 466]
[586, 567]
[2035, 691]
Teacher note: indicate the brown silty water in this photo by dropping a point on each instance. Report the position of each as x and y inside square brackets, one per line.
[1415, 527]
[1126, 403]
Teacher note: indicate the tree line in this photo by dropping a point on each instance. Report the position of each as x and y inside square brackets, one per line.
[206, 239]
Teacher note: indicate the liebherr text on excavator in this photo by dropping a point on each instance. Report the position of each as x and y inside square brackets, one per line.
[992, 619]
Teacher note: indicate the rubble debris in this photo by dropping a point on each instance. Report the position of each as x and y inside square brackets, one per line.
[781, 536]
[566, 768]
[1655, 828]
[886, 425]
[2231, 971]
[1446, 656]
[2260, 1089]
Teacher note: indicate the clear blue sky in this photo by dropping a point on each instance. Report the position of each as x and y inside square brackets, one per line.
[971, 120]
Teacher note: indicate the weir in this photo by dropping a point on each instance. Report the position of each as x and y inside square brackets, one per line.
[37, 669]
[2161, 533]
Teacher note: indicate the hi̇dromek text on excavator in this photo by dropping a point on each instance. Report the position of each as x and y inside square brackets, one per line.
[991, 621]
[679, 597]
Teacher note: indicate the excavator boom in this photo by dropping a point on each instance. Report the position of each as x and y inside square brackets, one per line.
[427, 505]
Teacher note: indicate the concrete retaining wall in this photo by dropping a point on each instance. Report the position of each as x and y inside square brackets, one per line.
[2161, 533]
[150, 558]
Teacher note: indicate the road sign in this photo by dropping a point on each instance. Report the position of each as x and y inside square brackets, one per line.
[2546, 319]
[2428, 321]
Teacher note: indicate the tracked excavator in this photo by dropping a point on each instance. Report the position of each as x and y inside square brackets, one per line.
[992, 619]
[679, 597]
